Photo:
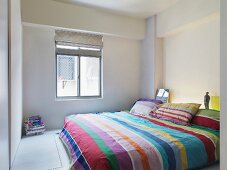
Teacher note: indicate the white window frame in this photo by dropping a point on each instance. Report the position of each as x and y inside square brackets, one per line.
[78, 53]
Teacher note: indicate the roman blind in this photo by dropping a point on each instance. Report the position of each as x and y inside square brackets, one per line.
[77, 43]
[78, 38]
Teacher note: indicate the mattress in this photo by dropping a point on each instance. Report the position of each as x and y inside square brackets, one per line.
[120, 140]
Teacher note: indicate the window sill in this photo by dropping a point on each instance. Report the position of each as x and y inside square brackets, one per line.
[59, 99]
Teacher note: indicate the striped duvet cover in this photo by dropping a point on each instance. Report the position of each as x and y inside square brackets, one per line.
[124, 141]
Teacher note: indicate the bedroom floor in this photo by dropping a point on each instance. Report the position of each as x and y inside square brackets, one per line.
[42, 152]
[46, 152]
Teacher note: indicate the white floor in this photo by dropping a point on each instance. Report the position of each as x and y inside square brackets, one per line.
[42, 152]
[46, 152]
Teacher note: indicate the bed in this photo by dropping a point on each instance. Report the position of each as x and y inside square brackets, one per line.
[121, 140]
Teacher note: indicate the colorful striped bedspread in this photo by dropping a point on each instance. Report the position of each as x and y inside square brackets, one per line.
[124, 141]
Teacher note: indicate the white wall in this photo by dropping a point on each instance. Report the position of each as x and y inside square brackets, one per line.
[191, 63]
[184, 12]
[158, 81]
[81, 18]
[147, 74]
[151, 61]
[191, 47]
[15, 75]
[223, 84]
[4, 126]
[121, 68]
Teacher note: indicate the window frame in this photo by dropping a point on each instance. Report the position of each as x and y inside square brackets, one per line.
[75, 54]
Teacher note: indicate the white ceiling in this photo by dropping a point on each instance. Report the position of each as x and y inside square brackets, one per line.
[136, 8]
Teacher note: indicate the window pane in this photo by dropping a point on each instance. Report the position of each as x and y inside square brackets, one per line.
[66, 75]
[89, 76]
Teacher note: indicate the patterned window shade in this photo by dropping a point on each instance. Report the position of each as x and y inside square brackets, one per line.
[66, 68]
[78, 38]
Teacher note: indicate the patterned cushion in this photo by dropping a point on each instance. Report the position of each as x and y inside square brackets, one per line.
[207, 118]
[179, 113]
[144, 108]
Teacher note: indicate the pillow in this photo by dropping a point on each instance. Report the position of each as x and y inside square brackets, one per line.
[143, 108]
[179, 113]
[207, 118]
[151, 100]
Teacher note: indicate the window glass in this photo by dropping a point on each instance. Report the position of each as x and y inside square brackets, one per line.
[67, 74]
[89, 76]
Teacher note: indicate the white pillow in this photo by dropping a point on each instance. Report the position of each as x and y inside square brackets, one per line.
[144, 108]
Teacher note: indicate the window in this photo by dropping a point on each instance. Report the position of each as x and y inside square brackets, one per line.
[78, 70]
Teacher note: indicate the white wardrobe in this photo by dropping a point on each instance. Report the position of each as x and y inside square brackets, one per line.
[10, 81]
[4, 112]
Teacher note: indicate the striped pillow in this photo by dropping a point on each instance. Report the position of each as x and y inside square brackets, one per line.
[179, 113]
[207, 118]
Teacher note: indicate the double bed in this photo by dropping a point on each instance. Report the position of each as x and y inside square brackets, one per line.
[121, 140]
